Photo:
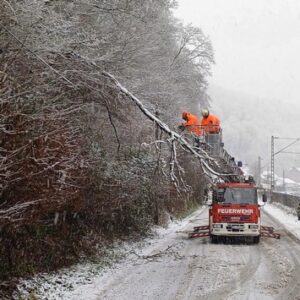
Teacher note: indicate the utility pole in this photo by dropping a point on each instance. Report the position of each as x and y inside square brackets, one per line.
[272, 163]
[259, 172]
[268, 177]
[283, 180]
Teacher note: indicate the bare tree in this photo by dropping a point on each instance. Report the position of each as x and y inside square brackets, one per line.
[74, 147]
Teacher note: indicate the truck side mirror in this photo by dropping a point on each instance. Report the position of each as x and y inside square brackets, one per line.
[264, 198]
[209, 201]
[221, 199]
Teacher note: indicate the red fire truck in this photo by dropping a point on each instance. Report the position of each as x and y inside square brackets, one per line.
[235, 212]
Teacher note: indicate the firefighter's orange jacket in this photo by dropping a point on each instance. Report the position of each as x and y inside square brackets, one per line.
[211, 124]
[192, 123]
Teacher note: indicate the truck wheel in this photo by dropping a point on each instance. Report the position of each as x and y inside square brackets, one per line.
[256, 239]
[214, 239]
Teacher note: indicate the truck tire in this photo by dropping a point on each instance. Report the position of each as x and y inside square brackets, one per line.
[256, 239]
[214, 239]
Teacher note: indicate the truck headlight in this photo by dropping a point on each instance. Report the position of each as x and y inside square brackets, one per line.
[253, 226]
[217, 225]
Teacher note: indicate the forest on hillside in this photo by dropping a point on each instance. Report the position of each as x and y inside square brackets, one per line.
[80, 164]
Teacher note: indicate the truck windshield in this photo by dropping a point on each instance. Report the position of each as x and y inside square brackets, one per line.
[239, 195]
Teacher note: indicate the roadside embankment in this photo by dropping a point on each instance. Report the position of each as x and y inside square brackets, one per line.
[285, 215]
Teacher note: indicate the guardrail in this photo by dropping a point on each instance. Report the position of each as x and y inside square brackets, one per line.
[285, 199]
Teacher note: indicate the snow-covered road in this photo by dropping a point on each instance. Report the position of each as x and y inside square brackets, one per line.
[175, 267]
[171, 266]
[197, 269]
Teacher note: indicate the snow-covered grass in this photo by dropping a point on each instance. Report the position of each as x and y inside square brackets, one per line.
[82, 281]
[286, 216]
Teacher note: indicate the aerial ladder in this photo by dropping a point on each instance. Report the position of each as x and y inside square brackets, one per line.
[234, 210]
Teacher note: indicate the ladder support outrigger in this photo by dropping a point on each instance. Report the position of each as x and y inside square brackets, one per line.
[203, 231]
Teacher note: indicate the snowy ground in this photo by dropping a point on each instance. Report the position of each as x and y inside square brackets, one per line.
[79, 281]
[286, 216]
[170, 266]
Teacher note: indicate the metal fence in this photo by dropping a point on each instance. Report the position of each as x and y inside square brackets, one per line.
[285, 199]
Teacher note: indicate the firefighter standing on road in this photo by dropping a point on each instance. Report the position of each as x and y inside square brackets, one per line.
[298, 212]
[192, 123]
[209, 122]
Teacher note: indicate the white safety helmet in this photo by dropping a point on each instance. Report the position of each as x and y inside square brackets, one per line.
[205, 112]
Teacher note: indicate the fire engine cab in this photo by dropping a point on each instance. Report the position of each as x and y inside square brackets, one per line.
[235, 211]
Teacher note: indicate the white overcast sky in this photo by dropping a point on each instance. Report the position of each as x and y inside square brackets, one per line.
[256, 43]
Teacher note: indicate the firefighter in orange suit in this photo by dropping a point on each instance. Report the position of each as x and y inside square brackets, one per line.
[209, 122]
[192, 123]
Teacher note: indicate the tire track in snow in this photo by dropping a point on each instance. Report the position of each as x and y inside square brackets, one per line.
[217, 271]
[173, 267]
[289, 249]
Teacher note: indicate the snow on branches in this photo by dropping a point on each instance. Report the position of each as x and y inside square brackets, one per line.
[202, 155]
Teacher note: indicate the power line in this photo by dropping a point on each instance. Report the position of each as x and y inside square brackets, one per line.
[292, 152]
[275, 153]
[294, 142]
[281, 151]
[285, 138]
